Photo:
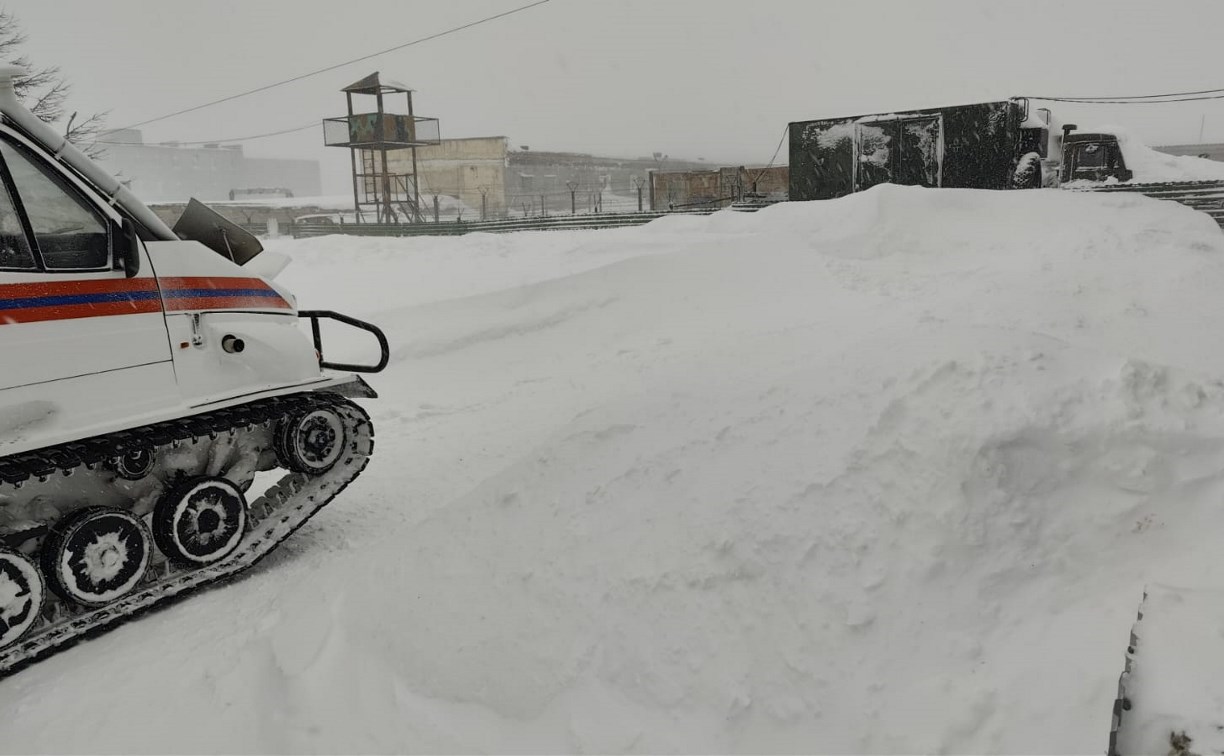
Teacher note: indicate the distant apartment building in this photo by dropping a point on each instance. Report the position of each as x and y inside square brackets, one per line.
[168, 172]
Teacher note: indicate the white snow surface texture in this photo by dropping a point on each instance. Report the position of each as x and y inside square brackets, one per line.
[881, 474]
[1149, 165]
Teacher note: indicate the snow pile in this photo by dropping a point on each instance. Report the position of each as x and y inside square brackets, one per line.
[881, 474]
[1177, 703]
[1150, 165]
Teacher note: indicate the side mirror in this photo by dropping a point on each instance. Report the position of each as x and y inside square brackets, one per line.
[129, 248]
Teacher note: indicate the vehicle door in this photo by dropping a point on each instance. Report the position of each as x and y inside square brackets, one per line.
[85, 345]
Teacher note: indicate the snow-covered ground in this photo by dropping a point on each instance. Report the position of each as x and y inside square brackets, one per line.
[881, 474]
[1149, 165]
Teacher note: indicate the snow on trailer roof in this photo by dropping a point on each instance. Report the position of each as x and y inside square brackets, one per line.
[904, 112]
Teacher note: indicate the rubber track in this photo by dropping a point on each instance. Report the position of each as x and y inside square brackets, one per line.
[275, 515]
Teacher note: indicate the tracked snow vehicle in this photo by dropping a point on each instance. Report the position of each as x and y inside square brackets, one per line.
[149, 375]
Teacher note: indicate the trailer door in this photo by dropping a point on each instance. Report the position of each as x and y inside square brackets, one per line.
[920, 153]
[875, 144]
[899, 150]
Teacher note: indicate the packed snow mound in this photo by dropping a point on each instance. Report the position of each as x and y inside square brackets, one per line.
[1152, 166]
[881, 474]
[1176, 702]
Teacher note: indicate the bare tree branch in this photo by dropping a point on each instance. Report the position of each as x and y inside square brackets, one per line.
[45, 91]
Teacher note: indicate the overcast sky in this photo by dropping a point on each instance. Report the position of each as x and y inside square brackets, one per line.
[712, 79]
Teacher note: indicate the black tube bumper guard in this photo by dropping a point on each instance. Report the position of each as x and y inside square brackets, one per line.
[316, 315]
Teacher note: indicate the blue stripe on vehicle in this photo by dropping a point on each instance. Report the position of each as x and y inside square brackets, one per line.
[180, 293]
[77, 299]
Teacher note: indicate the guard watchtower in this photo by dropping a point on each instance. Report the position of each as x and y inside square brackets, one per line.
[379, 195]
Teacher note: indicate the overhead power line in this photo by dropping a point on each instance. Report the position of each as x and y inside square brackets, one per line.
[1143, 99]
[1135, 97]
[333, 67]
[310, 125]
[1127, 102]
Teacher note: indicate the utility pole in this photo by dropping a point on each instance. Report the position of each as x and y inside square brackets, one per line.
[543, 210]
[573, 187]
[638, 183]
[435, 208]
[484, 203]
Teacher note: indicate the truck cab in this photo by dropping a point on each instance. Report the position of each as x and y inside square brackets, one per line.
[1092, 156]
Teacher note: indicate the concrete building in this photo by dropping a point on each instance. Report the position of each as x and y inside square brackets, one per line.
[459, 169]
[171, 172]
[525, 181]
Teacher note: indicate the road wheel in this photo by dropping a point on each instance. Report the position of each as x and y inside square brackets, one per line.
[96, 555]
[200, 521]
[310, 441]
[22, 592]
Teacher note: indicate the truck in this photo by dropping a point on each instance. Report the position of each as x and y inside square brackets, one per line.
[1005, 144]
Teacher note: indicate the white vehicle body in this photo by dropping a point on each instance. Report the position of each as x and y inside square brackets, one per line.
[93, 350]
[149, 375]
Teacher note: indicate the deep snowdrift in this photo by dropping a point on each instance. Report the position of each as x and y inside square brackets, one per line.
[880, 474]
[1152, 166]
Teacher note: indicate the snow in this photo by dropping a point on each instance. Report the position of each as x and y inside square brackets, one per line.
[887, 473]
[1174, 685]
[1150, 165]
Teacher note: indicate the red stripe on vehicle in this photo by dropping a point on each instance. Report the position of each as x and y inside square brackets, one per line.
[86, 286]
[198, 284]
[213, 282]
[178, 304]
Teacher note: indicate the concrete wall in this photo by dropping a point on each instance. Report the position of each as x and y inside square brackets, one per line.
[459, 168]
[162, 173]
[715, 188]
[526, 182]
[536, 178]
[246, 215]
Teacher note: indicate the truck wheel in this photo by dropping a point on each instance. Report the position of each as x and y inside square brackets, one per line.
[200, 521]
[1027, 174]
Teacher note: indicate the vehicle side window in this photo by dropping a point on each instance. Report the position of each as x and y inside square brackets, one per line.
[69, 233]
[15, 251]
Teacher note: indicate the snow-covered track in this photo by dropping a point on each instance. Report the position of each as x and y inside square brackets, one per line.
[272, 517]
